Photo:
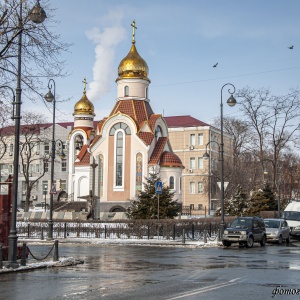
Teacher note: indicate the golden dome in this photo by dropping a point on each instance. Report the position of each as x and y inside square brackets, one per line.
[84, 106]
[133, 65]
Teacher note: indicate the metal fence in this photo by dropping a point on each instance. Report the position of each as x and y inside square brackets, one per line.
[169, 229]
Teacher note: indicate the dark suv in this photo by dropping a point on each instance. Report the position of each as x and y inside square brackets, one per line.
[245, 231]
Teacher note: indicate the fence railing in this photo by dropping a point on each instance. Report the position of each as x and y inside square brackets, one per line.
[170, 229]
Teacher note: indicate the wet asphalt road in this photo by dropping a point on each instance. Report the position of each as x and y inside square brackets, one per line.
[148, 272]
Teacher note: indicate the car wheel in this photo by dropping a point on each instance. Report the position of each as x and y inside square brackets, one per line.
[280, 240]
[226, 243]
[250, 242]
[263, 241]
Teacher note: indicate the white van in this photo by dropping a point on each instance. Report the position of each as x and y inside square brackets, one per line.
[292, 215]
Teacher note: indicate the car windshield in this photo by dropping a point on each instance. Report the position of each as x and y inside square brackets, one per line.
[272, 223]
[241, 223]
[291, 215]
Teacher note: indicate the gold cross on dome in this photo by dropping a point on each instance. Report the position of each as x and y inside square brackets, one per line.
[133, 31]
[84, 85]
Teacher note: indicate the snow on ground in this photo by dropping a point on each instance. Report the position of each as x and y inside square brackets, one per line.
[67, 261]
[70, 261]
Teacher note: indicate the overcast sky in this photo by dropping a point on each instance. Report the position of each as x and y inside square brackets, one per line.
[180, 41]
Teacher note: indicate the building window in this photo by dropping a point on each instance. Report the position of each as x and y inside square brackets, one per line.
[192, 187]
[192, 140]
[192, 163]
[46, 166]
[139, 173]
[126, 91]
[200, 187]
[63, 165]
[11, 148]
[63, 184]
[158, 133]
[10, 169]
[101, 174]
[31, 169]
[214, 164]
[46, 148]
[200, 162]
[120, 125]
[200, 206]
[171, 183]
[200, 139]
[119, 158]
[38, 148]
[146, 93]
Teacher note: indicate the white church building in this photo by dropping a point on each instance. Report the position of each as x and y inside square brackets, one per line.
[110, 159]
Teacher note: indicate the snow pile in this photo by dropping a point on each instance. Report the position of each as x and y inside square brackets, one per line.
[67, 261]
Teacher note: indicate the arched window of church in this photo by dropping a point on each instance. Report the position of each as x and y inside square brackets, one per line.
[119, 158]
[139, 173]
[126, 91]
[101, 175]
[171, 183]
[158, 133]
[120, 125]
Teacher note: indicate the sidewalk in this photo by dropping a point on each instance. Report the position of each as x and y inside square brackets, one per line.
[134, 242]
[70, 261]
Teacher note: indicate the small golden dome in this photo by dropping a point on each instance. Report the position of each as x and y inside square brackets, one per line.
[84, 106]
[133, 65]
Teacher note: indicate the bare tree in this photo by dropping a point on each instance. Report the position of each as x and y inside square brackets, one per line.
[5, 122]
[41, 47]
[275, 123]
[31, 139]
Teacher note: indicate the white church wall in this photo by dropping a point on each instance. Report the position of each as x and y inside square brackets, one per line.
[166, 173]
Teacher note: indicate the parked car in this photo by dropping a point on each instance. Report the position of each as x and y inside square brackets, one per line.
[292, 215]
[245, 231]
[39, 207]
[277, 230]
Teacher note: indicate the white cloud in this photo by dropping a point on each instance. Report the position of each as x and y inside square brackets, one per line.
[106, 41]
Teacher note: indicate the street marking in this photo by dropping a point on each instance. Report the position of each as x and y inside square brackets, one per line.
[207, 289]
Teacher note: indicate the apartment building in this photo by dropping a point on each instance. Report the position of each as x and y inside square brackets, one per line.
[190, 139]
[35, 150]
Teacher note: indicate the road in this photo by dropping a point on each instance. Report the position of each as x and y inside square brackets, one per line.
[153, 272]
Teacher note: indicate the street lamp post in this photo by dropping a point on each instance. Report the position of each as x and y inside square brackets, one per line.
[231, 102]
[36, 15]
[49, 97]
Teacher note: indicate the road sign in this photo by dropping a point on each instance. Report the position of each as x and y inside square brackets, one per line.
[158, 187]
[53, 189]
[225, 185]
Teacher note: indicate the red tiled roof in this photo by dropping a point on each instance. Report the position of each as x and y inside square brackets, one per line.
[169, 159]
[147, 137]
[138, 110]
[158, 150]
[153, 120]
[183, 121]
[83, 156]
[97, 137]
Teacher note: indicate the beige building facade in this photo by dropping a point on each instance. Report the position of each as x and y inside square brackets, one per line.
[190, 139]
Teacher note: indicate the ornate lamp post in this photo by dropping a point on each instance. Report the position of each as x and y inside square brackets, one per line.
[49, 97]
[36, 15]
[231, 102]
